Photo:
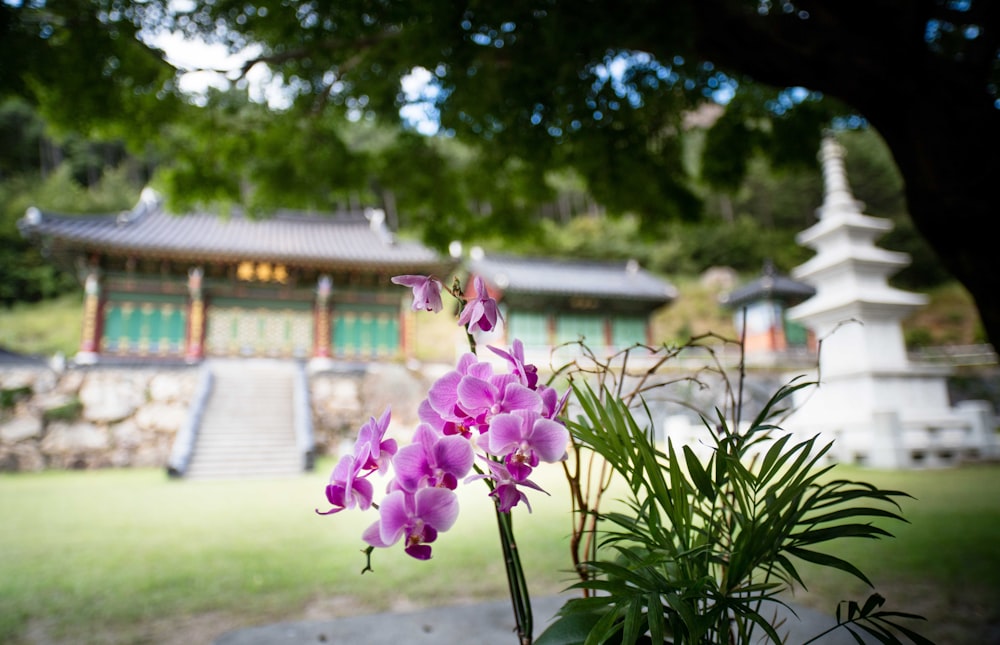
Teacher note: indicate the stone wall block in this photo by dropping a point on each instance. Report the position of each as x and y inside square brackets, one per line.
[45, 381]
[153, 453]
[169, 387]
[15, 379]
[337, 410]
[111, 396]
[21, 457]
[51, 401]
[76, 445]
[127, 434]
[70, 382]
[161, 417]
[20, 428]
[392, 385]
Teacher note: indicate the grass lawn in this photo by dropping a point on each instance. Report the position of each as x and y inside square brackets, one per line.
[43, 328]
[132, 557]
[943, 564]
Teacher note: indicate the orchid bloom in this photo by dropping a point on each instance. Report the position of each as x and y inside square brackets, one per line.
[371, 450]
[505, 489]
[416, 517]
[426, 291]
[443, 402]
[528, 374]
[481, 311]
[432, 460]
[346, 489]
[428, 415]
[524, 438]
[484, 399]
[552, 404]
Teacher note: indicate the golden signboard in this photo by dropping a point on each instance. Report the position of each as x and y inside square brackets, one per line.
[249, 271]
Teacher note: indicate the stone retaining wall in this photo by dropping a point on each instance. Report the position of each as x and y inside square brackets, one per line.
[119, 417]
[91, 418]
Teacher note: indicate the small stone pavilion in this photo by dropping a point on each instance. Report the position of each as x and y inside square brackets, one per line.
[186, 287]
[547, 302]
[759, 307]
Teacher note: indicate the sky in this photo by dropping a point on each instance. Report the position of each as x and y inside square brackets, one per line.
[186, 54]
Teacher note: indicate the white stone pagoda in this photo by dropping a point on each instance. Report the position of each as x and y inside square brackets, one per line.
[878, 407]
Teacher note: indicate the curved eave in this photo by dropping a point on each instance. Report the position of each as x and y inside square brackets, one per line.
[223, 257]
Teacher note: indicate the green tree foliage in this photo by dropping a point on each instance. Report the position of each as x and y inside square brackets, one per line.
[81, 63]
[20, 138]
[552, 85]
[28, 275]
[604, 89]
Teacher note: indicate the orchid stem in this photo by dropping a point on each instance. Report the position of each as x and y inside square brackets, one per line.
[516, 581]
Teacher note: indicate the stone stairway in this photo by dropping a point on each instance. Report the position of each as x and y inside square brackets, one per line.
[247, 428]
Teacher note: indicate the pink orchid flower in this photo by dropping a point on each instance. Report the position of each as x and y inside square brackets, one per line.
[481, 311]
[484, 399]
[506, 491]
[426, 291]
[528, 374]
[432, 460]
[442, 398]
[524, 438]
[346, 488]
[372, 450]
[416, 517]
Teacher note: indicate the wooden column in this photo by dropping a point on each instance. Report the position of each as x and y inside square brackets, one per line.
[195, 341]
[322, 353]
[321, 319]
[90, 341]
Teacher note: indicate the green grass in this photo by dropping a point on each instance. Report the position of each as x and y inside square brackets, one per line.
[43, 328]
[943, 563]
[130, 556]
[104, 556]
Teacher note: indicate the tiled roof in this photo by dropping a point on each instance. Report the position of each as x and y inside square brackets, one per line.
[605, 280]
[770, 286]
[356, 239]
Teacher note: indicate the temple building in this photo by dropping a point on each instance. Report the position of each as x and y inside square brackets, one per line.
[186, 287]
[547, 303]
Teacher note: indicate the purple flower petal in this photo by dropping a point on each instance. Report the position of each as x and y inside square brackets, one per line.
[443, 394]
[426, 291]
[475, 394]
[437, 507]
[505, 434]
[411, 467]
[549, 439]
[454, 455]
[394, 517]
[408, 280]
[373, 535]
[519, 397]
[419, 551]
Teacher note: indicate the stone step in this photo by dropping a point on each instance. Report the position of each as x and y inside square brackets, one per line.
[247, 427]
[274, 444]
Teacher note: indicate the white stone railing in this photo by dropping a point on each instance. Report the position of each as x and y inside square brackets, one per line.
[956, 355]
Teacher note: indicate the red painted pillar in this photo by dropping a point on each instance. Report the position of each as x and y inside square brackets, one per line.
[90, 340]
[321, 319]
[195, 345]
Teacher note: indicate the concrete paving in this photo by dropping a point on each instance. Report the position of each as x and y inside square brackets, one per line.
[490, 623]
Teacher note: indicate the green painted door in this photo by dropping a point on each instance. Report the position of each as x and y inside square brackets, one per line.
[363, 333]
[143, 327]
